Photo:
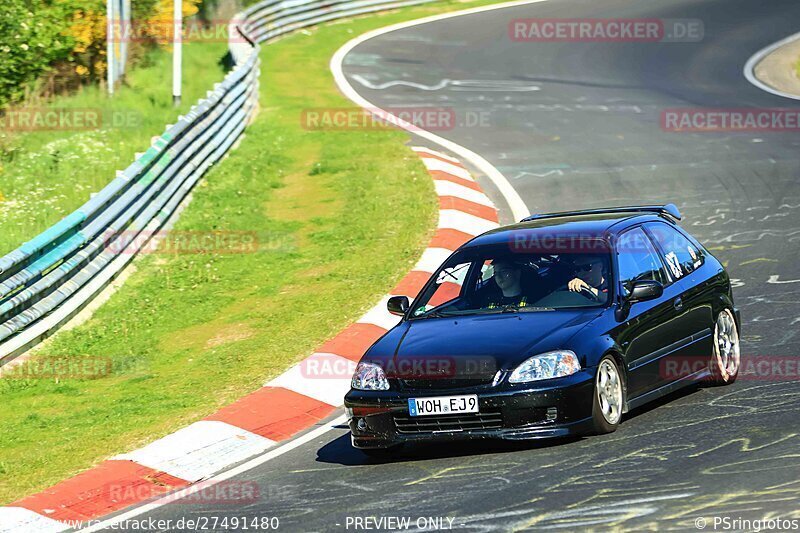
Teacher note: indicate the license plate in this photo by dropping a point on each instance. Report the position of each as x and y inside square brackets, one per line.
[443, 405]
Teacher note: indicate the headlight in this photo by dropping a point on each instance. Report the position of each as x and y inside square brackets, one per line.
[369, 376]
[545, 366]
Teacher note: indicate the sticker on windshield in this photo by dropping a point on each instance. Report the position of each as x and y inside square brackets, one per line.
[455, 274]
[695, 258]
[674, 265]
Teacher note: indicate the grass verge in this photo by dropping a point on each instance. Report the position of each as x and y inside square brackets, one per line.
[47, 174]
[340, 217]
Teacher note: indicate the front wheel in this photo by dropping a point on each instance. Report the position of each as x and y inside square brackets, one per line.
[608, 401]
[724, 364]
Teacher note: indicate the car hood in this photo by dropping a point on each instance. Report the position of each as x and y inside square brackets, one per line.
[507, 338]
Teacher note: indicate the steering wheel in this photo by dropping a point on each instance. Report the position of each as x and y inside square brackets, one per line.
[587, 293]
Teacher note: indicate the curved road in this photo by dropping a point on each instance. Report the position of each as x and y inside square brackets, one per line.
[575, 125]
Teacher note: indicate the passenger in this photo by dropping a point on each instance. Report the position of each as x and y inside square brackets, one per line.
[506, 289]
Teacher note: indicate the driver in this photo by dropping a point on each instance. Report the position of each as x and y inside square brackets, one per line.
[589, 280]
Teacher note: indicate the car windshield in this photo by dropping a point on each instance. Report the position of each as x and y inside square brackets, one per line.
[486, 280]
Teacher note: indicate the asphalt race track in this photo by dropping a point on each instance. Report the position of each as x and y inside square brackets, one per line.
[576, 125]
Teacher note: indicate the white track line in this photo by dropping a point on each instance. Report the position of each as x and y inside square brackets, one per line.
[449, 168]
[752, 63]
[432, 259]
[199, 450]
[424, 150]
[448, 188]
[380, 316]
[322, 376]
[461, 221]
[518, 208]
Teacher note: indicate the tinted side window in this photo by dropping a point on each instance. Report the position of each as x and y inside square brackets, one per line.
[680, 254]
[637, 259]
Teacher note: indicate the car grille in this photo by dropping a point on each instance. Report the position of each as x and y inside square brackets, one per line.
[444, 384]
[459, 422]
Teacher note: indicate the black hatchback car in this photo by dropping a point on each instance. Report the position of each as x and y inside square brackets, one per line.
[554, 326]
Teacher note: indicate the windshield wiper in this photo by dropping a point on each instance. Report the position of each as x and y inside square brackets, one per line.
[432, 314]
[511, 308]
[436, 313]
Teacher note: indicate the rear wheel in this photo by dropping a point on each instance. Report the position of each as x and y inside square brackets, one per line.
[725, 360]
[608, 401]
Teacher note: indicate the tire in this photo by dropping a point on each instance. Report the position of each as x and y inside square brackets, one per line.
[726, 355]
[608, 396]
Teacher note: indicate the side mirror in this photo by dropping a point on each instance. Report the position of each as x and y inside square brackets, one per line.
[640, 292]
[645, 290]
[398, 305]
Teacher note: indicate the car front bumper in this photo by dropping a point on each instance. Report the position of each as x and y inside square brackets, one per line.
[551, 408]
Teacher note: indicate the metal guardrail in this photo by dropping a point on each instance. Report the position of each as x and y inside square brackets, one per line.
[50, 278]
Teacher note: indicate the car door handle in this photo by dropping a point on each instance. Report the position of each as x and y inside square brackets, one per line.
[678, 303]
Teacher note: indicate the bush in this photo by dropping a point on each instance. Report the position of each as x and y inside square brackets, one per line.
[31, 39]
[66, 39]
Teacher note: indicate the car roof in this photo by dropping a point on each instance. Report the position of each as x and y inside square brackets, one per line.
[584, 226]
